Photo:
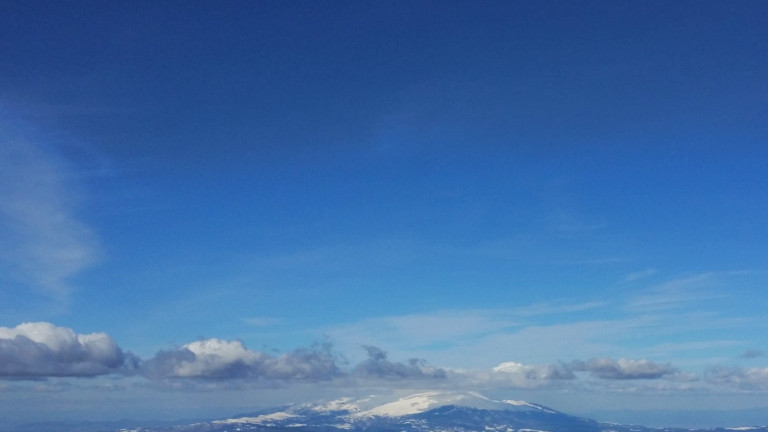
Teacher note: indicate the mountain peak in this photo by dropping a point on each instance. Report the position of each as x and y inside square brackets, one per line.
[422, 402]
[421, 412]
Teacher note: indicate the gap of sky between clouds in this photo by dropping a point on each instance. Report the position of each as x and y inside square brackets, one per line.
[529, 184]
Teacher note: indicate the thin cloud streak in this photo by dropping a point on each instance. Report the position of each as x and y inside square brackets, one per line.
[675, 293]
[47, 244]
[645, 322]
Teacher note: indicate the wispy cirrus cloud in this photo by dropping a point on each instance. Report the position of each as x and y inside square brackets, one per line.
[423, 330]
[261, 321]
[45, 243]
[675, 293]
[558, 308]
[677, 318]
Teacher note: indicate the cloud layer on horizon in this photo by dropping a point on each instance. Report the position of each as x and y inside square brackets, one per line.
[42, 350]
[221, 359]
[623, 369]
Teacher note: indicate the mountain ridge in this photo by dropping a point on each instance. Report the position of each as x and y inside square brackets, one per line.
[430, 411]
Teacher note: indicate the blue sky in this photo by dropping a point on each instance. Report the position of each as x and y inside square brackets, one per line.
[247, 203]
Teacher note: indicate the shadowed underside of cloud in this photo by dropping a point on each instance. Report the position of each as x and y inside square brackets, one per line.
[513, 375]
[536, 372]
[750, 379]
[40, 349]
[623, 369]
[226, 360]
[377, 366]
[221, 359]
[518, 375]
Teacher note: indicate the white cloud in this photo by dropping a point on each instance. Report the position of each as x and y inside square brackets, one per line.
[675, 293]
[624, 369]
[558, 308]
[222, 359]
[45, 242]
[638, 276]
[750, 379]
[262, 321]
[39, 349]
[535, 372]
[418, 334]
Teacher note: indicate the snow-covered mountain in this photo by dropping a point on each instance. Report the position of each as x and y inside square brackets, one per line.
[421, 412]
[422, 402]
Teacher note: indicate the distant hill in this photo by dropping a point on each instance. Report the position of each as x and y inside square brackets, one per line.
[422, 412]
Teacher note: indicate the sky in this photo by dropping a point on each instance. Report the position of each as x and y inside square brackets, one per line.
[208, 207]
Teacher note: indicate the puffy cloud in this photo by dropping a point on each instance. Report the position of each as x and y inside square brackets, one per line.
[535, 372]
[217, 358]
[623, 369]
[754, 378]
[513, 375]
[39, 349]
[377, 366]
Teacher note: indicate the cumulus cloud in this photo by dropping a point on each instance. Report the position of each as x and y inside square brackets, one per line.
[378, 366]
[754, 378]
[535, 372]
[623, 369]
[512, 375]
[39, 349]
[222, 359]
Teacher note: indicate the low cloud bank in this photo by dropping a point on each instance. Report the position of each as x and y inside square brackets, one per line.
[377, 366]
[749, 379]
[221, 359]
[536, 372]
[38, 350]
[623, 369]
[41, 349]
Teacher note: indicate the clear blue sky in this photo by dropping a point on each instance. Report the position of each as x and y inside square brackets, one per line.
[564, 202]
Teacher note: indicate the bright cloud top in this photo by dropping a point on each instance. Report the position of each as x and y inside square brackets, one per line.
[217, 358]
[42, 349]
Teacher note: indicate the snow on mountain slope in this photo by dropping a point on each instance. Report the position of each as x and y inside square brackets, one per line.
[422, 402]
[343, 404]
[527, 404]
[428, 411]
[262, 419]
